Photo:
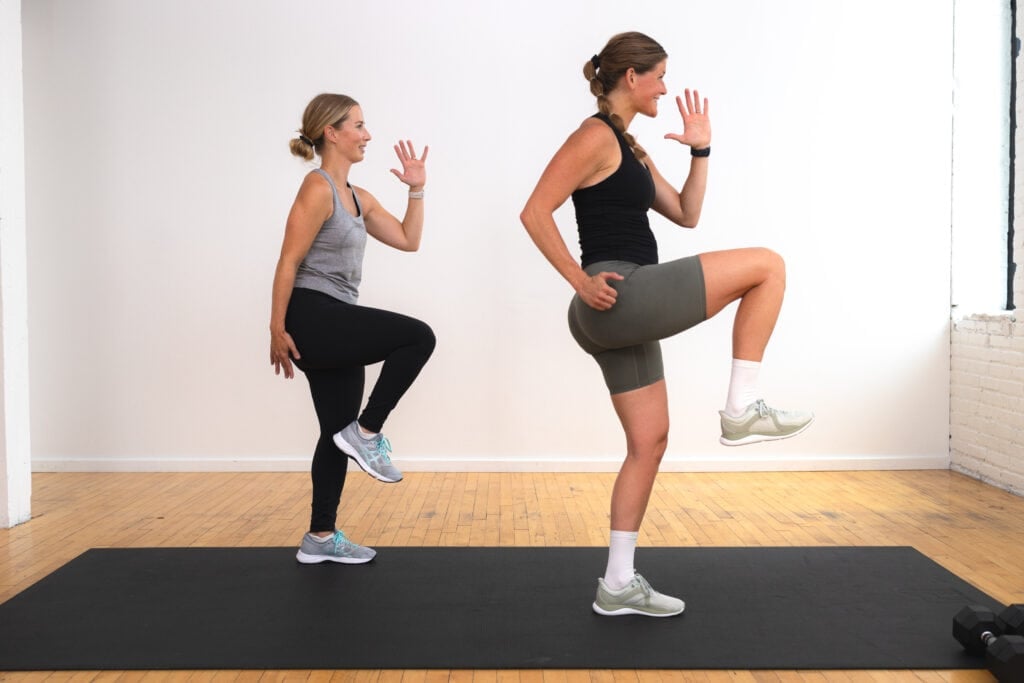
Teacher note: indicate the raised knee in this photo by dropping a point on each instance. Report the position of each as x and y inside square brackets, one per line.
[772, 259]
[773, 263]
[427, 340]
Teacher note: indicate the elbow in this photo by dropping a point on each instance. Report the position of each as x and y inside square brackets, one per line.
[538, 219]
[689, 220]
[528, 217]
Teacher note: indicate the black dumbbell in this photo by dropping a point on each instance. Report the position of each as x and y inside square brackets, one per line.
[1011, 620]
[1005, 658]
[998, 638]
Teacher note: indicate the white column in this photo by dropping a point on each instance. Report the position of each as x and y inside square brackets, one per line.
[15, 453]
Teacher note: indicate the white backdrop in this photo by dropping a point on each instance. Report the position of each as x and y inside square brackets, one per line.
[159, 179]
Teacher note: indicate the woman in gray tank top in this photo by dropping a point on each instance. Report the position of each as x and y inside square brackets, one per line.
[626, 301]
[317, 324]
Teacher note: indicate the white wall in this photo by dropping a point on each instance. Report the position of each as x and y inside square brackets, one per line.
[15, 450]
[159, 180]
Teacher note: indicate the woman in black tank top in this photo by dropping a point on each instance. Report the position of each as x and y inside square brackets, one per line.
[625, 301]
[612, 214]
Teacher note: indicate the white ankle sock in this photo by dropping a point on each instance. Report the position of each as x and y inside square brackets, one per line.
[742, 386]
[619, 571]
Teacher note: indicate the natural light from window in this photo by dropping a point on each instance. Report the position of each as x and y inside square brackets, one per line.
[981, 177]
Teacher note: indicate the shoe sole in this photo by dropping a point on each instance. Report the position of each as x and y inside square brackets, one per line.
[351, 452]
[317, 559]
[757, 438]
[630, 610]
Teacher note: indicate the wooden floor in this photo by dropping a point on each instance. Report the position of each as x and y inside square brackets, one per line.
[974, 530]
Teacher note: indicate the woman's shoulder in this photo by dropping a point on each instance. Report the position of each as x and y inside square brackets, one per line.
[594, 133]
[597, 122]
[316, 180]
[316, 189]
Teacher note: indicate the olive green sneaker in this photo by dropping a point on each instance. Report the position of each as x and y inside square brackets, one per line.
[636, 598]
[761, 423]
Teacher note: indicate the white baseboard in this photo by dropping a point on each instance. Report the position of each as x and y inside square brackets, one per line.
[718, 463]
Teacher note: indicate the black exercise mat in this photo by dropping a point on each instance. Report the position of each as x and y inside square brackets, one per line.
[486, 608]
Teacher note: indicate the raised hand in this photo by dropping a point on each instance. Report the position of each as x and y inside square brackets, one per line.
[414, 171]
[696, 124]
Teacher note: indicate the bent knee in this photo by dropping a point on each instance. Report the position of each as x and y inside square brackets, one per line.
[771, 259]
[426, 339]
[772, 263]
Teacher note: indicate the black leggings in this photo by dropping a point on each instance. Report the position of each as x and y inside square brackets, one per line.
[336, 341]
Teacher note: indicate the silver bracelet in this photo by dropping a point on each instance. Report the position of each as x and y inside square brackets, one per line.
[416, 195]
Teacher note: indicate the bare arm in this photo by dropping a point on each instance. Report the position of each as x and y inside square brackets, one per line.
[684, 207]
[405, 234]
[587, 154]
[313, 205]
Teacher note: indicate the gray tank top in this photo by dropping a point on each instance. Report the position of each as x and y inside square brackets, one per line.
[334, 263]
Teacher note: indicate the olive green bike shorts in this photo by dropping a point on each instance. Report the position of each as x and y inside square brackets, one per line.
[654, 302]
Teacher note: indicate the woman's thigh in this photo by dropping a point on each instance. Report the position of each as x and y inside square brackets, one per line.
[730, 274]
[654, 302]
[329, 333]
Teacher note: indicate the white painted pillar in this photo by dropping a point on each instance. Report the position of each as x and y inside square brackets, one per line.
[15, 452]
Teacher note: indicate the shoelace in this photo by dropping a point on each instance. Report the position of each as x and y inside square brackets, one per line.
[341, 541]
[762, 409]
[644, 586]
[383, 448]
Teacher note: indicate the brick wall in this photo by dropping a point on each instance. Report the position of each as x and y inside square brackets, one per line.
[986, 421]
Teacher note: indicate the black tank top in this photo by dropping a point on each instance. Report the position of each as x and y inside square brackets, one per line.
[612, 215]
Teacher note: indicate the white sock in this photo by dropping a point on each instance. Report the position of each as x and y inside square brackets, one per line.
[742, 386]
[365, 434]
[619, 571]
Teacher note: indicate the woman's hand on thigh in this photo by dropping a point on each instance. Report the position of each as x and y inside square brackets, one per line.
[597, 293]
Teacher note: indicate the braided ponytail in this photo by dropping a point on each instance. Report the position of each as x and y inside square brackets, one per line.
[630, 50]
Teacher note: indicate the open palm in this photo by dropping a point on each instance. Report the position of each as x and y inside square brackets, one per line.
[414, 171]
[696, 124]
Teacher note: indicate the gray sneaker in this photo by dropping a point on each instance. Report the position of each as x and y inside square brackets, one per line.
[336, 549]
[761, 423]
[636, 598]
[372, 455]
